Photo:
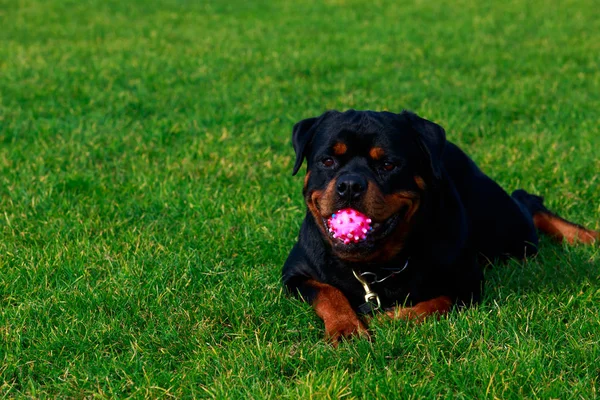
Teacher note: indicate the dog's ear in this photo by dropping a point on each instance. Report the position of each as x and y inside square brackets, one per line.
[302, 135]
[431, 138]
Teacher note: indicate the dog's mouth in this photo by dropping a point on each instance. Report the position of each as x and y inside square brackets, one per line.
[387, 224]
[365, 238]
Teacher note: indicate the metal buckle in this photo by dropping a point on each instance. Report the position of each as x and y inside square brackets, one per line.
[369, 294]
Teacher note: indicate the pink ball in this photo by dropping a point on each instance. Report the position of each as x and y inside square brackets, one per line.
[349, 225]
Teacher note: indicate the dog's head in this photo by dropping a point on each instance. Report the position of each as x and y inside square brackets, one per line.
[379, 163]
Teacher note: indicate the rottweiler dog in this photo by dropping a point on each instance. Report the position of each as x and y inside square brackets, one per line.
[436, 220]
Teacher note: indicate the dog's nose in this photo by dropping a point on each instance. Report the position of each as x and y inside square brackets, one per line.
[351, 186]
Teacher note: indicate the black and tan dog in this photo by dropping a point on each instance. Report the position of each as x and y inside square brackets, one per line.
[435, 216]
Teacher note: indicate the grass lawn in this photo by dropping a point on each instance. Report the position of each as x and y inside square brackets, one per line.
[147, 203]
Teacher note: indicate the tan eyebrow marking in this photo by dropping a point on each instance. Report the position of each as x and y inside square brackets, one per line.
[376, 153]
[339, 149]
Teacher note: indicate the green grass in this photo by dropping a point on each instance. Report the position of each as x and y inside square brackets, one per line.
[147, 203]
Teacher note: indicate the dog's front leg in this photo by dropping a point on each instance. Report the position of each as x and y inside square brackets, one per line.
[436, 306]
[334, 309]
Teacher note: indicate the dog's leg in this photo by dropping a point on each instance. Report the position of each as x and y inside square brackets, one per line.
[437, 306]
[551, 224]
[334, 309]
[561, 229]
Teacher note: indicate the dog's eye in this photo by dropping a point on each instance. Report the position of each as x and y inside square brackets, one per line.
[388, 166]
[328, 162]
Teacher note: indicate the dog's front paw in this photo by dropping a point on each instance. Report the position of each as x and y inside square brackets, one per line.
[436, 306]
[344, 327]
[403, 313]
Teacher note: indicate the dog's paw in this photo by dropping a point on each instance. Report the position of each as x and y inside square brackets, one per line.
[434, 307]
[345, 328]
[407, 313]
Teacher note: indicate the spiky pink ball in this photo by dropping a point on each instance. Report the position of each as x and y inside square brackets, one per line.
[349, 225]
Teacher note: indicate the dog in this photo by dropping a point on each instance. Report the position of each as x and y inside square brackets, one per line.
[437, 219]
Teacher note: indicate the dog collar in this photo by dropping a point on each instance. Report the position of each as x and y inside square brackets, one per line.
[372, 301]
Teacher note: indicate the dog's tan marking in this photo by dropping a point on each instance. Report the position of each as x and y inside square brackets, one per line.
[561, 229]
[438, 306]
[377, 153]
[379, 208]
[339, 149]
[306, 178]
[420, 182]
[336, 312]
[320, 205]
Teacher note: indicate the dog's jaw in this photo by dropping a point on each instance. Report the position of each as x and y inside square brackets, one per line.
[383, 242]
